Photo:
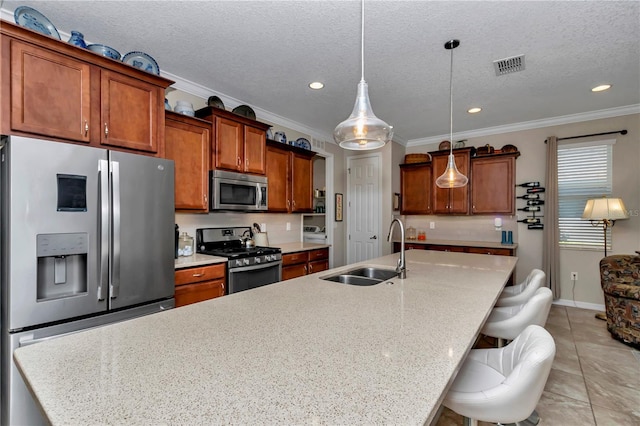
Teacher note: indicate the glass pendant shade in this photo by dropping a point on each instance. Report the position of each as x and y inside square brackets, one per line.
[362, 130]
[451, 178]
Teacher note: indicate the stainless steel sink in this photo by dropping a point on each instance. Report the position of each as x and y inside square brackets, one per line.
[362, 276]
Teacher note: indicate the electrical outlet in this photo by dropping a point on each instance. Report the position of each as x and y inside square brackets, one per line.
[432, 225]
[263, 227]
[574, 276]
[288, 226]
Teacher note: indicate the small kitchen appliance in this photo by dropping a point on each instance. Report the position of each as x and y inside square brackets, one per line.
[247, 267]
[237, 191]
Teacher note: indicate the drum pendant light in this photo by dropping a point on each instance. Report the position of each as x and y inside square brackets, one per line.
[451, 178]
[362, 130]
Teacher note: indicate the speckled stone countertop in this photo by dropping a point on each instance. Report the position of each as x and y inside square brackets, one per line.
[302, 351]
[198, 260]
[487, 244]
[298, 246]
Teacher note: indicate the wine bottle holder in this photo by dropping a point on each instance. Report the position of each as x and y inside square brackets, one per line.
[533, 204]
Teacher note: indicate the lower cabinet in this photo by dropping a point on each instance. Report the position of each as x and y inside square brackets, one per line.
[302, 263]
[200, 283]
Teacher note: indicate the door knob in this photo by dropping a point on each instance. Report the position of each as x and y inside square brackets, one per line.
[373, 238]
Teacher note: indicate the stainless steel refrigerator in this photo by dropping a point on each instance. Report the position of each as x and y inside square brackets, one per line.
[86, 239]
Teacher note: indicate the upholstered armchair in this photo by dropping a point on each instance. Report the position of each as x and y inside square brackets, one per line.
[620, 281]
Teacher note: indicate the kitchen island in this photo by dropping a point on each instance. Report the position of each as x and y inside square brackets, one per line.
[302, 351]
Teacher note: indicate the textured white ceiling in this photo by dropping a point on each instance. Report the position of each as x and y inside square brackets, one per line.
[264, 53]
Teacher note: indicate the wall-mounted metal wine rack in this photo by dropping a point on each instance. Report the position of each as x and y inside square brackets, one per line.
[535, 203]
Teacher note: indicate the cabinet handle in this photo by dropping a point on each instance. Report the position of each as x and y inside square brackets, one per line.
[86, 127]
[198, 275]
[311, 269]
[239, 162]
[288, 203]
[305, 269]
[294, 204]
[106, 130]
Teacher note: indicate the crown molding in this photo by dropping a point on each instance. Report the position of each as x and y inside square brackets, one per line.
[535, 124]
[204, 92]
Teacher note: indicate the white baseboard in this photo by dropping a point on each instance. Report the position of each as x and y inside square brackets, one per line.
[581, 305]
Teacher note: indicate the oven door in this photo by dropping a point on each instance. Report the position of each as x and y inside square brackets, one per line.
[248, 277]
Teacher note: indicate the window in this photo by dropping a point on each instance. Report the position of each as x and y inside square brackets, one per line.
[584, 172]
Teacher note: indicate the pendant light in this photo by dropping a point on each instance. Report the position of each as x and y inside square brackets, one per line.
[451, 178]
[362, 130]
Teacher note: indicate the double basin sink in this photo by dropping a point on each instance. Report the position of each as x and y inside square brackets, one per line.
[362, 276]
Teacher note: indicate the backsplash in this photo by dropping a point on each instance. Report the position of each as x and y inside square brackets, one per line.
[462, 228]
[276, 224]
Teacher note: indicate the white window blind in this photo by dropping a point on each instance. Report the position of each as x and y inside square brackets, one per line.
[584, 172]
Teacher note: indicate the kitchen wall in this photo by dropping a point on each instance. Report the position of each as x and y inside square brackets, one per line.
[531, 166]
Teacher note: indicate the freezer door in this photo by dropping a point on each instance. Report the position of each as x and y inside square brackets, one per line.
[143, 224]
[50, 240]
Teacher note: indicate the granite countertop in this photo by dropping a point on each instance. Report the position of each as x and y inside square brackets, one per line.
[197, 260]
[487, 244]
[302, 351]
[298, 246]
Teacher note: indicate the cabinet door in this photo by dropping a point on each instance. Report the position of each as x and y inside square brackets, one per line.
[193, 293]
[445, 200]
[131, 112]
[318, 266]
[492, 185]
[415, 182]
[301, 183]
[50, 93]
[255, 150]
[188, 146]
[294, 271]
[440, 203]
[229, 144]
[278, 170]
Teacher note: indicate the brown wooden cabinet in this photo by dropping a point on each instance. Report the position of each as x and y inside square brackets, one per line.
[187, 143]
[492, 184]
[450, 200]
[302, 263]
[53, 89]
[415, 183]
[200, 283]
[290, 174]
[238, 143]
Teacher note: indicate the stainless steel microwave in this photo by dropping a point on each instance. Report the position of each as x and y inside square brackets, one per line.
[237, 191]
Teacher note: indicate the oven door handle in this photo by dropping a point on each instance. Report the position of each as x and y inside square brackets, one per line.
[254, 267]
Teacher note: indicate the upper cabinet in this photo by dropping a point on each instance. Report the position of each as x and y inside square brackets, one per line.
[238, 143]
[415, 183]
[187, 143]
[53, 89]
[290, 174]
[450, 200]
[492, 184]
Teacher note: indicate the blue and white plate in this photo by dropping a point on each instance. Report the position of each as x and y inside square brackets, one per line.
[142, 61]
[303, 143]
[34, 20]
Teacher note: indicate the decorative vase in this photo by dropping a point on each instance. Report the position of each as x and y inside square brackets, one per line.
[77, 39]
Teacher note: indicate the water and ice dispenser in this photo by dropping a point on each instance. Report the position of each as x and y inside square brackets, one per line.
[62, 265]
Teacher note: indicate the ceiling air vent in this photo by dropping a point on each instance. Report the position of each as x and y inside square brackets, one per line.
[509, 65]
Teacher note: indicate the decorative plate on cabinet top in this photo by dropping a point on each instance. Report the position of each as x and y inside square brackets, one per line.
[444, 145]
[142, 61]
[215, 101]
[34, 20]
[303, 143]
[245, 111]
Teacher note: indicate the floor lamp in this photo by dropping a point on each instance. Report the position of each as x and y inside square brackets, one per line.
[604, 212]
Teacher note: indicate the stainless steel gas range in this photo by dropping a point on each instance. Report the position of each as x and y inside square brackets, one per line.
[247, 267]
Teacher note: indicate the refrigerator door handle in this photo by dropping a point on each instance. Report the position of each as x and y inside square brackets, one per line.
[114, 288]
[103, 267]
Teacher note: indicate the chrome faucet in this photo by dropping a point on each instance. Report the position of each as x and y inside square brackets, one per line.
[401, 269]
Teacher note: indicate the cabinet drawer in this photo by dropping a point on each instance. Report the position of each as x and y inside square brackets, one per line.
[318, 254]
[294, 271]
[486, 250]
[318, 266]
[203, 273]
[295, 258]
[456, 249]
[192, 293]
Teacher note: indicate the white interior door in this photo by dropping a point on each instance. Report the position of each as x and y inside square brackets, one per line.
[363, 208]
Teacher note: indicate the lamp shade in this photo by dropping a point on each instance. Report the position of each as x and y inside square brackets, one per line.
[605, 208]
[362, 130]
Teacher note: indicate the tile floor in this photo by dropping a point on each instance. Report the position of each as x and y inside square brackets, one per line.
[594, 380]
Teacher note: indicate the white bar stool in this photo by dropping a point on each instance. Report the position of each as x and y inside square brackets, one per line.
[503, 385]
[520, 293]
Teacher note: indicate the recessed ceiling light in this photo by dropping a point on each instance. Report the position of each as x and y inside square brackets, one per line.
[601, 88]
[316, 85]
[474, 110]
